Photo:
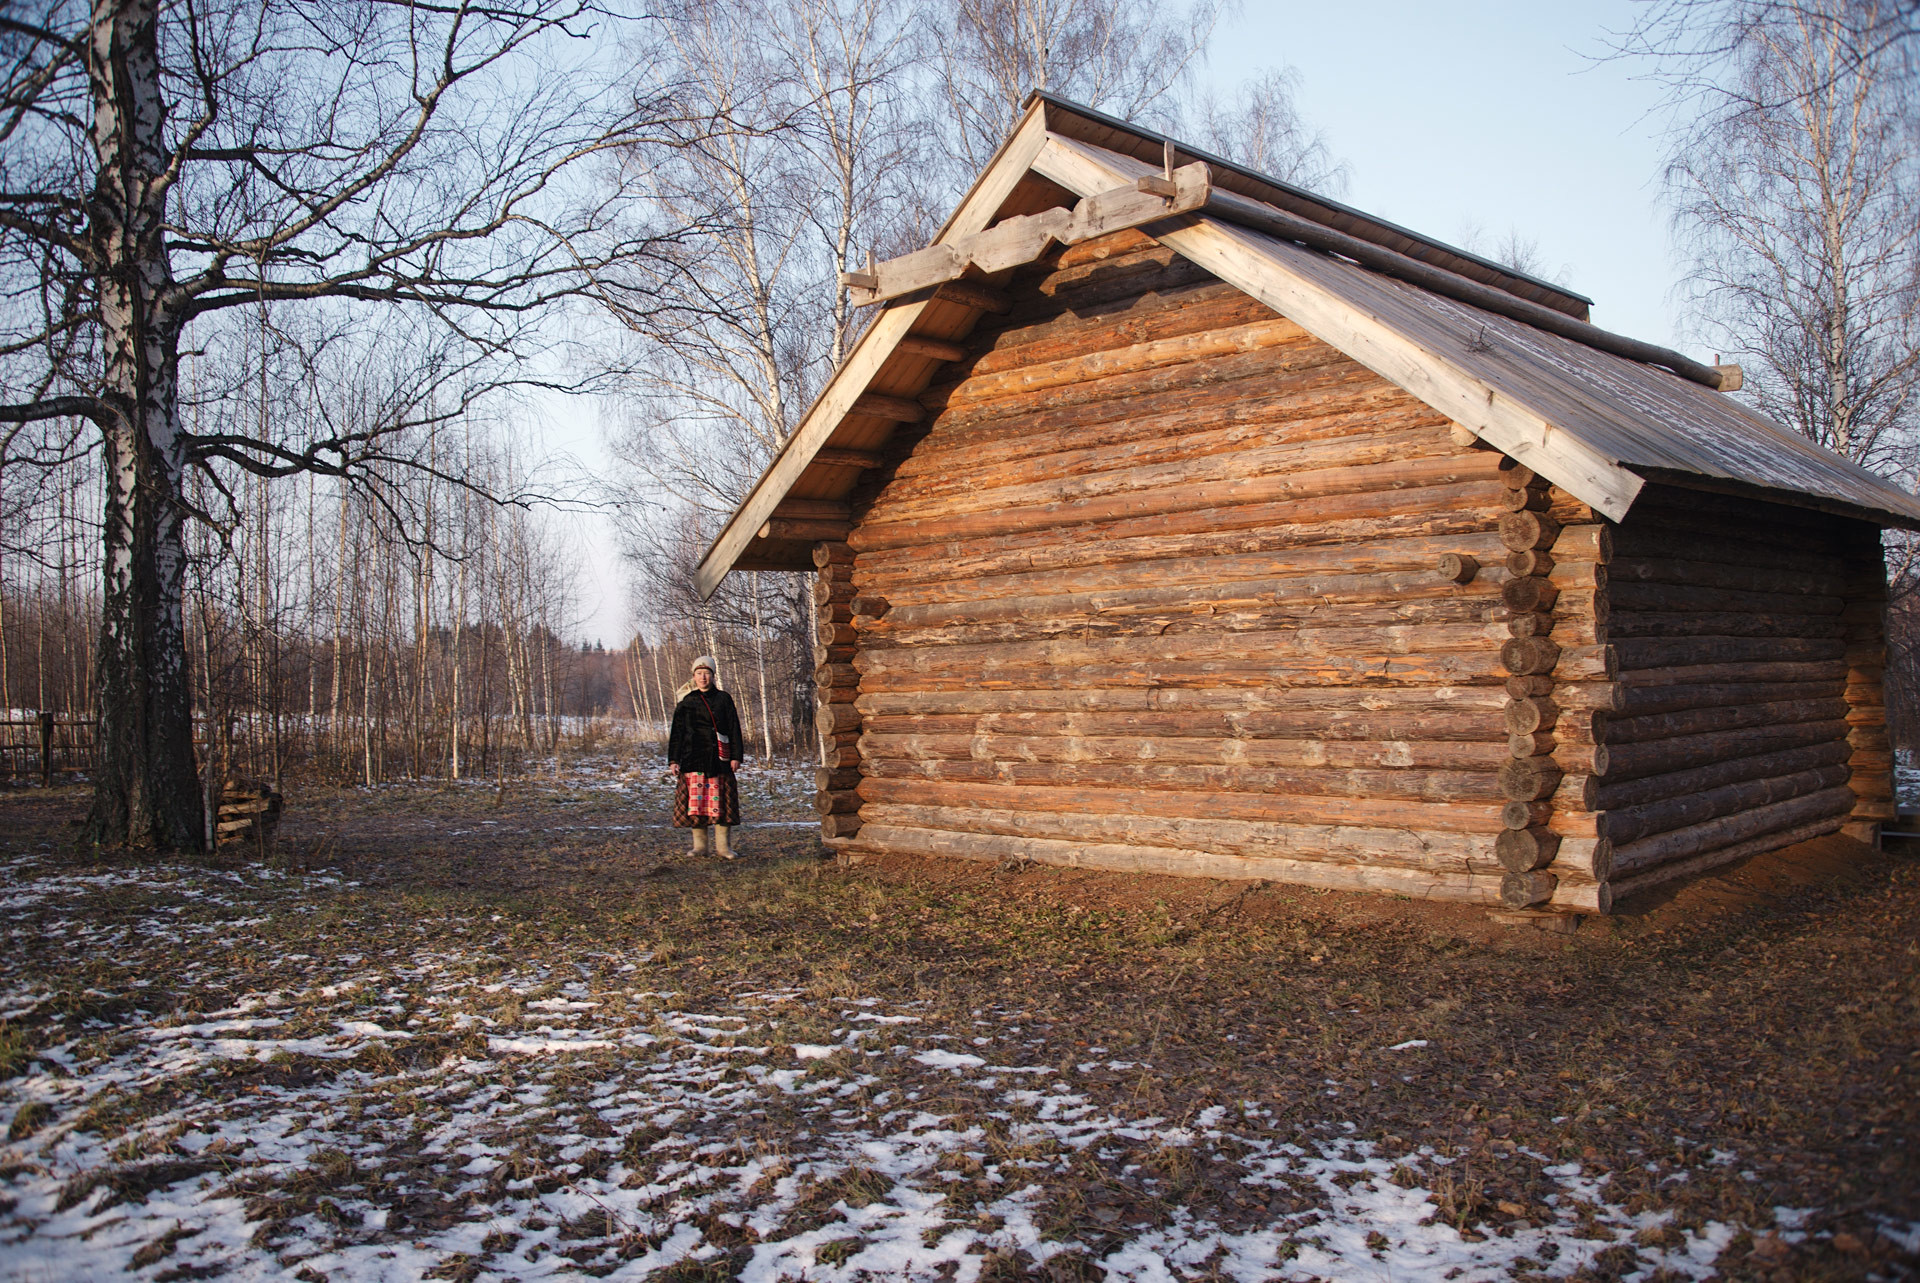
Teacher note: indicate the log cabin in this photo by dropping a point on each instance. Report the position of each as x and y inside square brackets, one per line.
[1170, 518]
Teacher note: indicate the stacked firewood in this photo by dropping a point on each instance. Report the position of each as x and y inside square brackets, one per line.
[248, 812]
[1560, 685]
[838, 686]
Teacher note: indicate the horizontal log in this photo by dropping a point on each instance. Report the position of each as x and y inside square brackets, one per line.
[1583, 759]
[1665, 652]
[869, 606]
[836, 719]
[831, 675]
[1586, 664]
[828, 779]
[1648, 536]
[1180, 746]
[1524, 850]
[1569, 511]
[1630, 824]
[1251, 672]
[828, 590]
[1526, 779]
[1518, 890]
[794, 530]
[1443, 817]
[1583, 858]
[931, 348]
[1167, 310]
[1525, 596]
[813, 510]
[836, 827]
[1636, 700]
[1531, 744]
[1579, 725]
[1721, 856]
[1526, 815]
[1521, 531]
[836, 802]
[1297, 784]
[1698, 839]
[1525, 656]
[840, 635]
[1421, 726]
[1658, 757]
[1593, 543]
[1569, 575]
[1629, 596]
[1529, 562]
[1619, 730]
[1078, 369]
[975, 295]
[1272, 474]
[1280, 645]
[1534, 713]
[1518, 476]
[1582, 897]
[1279, 704]
[1338, 844]
[1426, 885]
[831, 557]
[1444, 508]
[1680, 572]
[1589, 607]
[1157, 389]
[1195, 615]
[1710, 623]
[1530, 625]
[1293, 396]
[1727, 674]
[1330, 592]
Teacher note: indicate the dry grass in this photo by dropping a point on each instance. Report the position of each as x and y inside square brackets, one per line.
[1759, 1034]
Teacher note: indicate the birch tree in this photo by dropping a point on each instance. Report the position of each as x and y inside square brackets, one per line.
[1132, 58]
[1796, 194]
[163, 162]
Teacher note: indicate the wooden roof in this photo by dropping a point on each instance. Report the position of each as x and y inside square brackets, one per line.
[1549, 390]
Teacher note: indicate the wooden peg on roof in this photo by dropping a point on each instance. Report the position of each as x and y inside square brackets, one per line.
[1160, 184]
[867, 280]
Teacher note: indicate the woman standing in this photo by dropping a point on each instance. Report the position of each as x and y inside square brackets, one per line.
[702, 750]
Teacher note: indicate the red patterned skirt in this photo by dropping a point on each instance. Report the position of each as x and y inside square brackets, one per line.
[700, 800]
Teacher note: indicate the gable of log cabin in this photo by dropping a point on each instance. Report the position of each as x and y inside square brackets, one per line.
[1155, 588]
[1505, 357]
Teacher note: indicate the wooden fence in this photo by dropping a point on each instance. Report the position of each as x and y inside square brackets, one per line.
[44, 745]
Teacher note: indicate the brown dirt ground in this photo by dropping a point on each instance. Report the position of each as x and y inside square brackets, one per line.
[1757, 1029]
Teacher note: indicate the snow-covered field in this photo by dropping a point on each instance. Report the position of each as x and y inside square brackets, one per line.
[453, 1101]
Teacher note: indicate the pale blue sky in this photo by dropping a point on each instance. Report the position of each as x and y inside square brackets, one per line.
[1491, 112]
[1449, 115]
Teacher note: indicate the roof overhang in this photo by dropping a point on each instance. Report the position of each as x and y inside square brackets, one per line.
[1506, 356]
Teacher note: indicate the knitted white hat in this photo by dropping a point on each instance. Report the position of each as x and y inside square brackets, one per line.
[706, 662]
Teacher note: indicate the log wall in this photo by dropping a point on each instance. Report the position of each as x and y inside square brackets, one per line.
[1748, 713]
[1163, 583]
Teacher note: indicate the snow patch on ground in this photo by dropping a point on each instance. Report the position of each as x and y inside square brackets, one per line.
[466, 1112]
